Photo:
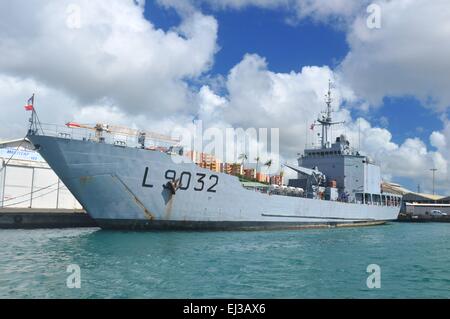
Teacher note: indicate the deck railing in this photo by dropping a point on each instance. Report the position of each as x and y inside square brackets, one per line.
[85, 134]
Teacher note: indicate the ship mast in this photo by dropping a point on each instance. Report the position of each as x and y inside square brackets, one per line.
[325, 119]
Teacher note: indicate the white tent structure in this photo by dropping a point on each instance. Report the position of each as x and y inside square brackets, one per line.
[26, 180]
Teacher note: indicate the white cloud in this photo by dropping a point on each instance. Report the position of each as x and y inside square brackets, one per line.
[55, 107]
[14, 92]
[336, 11]
[115, 52]
[438, 140]
[226, 4]
[408, 55]
[411, 159]
[291, 101]
[441, 140]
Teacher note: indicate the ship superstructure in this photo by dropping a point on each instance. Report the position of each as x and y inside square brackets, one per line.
[346, 174]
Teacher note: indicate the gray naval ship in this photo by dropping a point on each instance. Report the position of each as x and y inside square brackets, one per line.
[124, 187]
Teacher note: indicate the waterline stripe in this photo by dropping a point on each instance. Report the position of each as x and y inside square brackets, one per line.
[317, 217]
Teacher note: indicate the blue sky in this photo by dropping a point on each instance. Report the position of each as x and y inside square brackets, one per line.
[286, 46]
[290, 46]
[408, 118]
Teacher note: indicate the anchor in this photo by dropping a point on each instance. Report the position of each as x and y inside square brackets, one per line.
[173, 186]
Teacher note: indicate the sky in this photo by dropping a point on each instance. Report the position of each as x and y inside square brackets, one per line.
[240, 63]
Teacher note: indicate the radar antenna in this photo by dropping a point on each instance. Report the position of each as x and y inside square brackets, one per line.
[326, 120]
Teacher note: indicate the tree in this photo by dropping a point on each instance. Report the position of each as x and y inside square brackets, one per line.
[268, 164]
[257, 159]
[243, 157]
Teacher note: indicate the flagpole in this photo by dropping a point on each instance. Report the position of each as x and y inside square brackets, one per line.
[32, 110]
[33, 113]
[31, 129]
[34, 119]
[37, 118]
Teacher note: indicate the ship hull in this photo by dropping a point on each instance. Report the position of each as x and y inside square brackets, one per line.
[165, 225]
[127, 188]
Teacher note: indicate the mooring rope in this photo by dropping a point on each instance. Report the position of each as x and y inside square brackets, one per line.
[17, 148]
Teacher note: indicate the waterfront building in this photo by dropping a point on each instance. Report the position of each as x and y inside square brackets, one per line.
[250, 173]
[276, 180]
[27, 181]
[205, 160]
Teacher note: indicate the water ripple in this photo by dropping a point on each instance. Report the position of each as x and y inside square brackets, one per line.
[331, 263]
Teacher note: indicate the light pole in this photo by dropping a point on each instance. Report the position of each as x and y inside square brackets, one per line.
[434, 171]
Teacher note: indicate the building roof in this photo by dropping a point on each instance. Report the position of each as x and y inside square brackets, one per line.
[23, 142]
[427, 204]
[19, 152]
[393, 188]
[410, 196]
[421, 197]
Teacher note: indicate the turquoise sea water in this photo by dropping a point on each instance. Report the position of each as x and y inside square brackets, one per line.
[328, 263]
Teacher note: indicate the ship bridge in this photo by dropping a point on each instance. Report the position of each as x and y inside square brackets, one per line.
[353, 176]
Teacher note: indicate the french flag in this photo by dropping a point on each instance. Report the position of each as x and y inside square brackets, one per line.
[29, 106]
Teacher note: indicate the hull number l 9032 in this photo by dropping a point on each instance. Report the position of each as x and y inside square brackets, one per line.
[198, 182]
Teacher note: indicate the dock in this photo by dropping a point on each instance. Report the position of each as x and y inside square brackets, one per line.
[31, 218]
[423, 218]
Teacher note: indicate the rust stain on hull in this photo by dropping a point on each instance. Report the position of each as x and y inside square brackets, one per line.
[85, 180]
[147, 213]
